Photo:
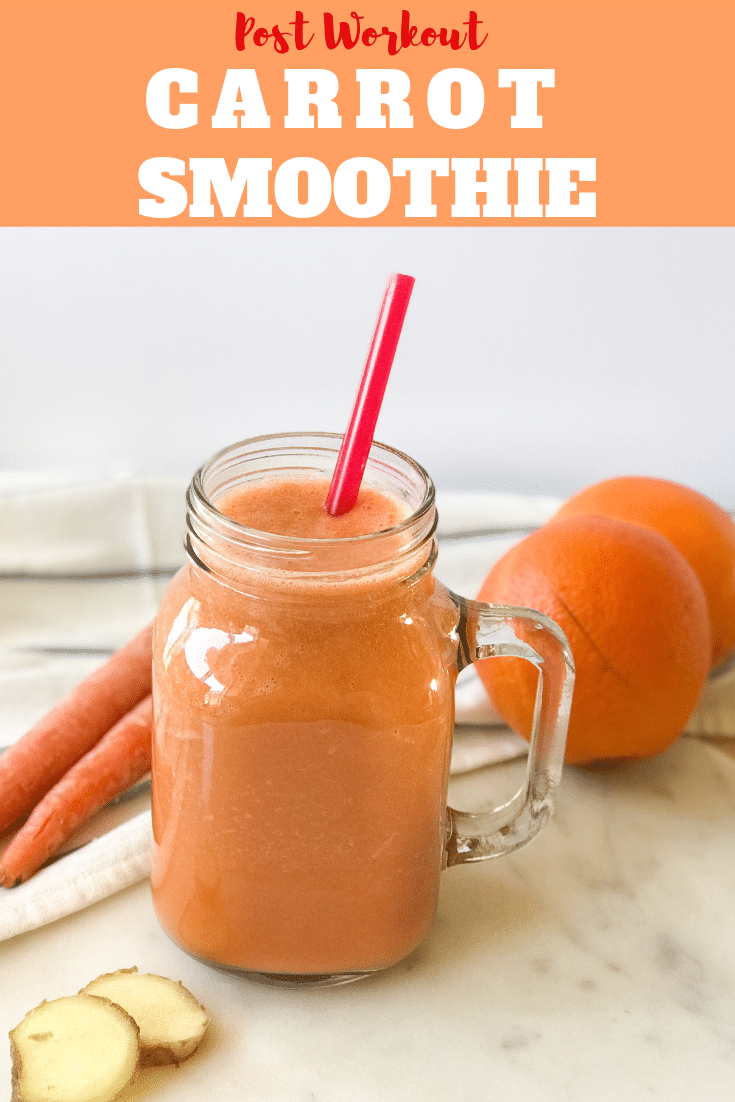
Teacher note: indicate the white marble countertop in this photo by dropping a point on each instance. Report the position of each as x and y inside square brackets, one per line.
[596, 964]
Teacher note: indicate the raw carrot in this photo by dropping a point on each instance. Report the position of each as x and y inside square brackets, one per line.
[119, 759]
[33, 765]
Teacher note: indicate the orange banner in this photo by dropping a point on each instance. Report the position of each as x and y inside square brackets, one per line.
[547, 113]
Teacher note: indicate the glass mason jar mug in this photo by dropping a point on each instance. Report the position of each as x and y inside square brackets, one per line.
[304, 708]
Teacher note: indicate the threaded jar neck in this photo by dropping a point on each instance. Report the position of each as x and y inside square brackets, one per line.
[239, 554]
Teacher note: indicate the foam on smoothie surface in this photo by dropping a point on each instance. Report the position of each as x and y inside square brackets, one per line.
[295, 507]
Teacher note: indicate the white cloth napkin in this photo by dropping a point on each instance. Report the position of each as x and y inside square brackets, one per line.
[104, 866]
[83, 566]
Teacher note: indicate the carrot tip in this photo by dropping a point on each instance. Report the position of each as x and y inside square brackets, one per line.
[8, 881]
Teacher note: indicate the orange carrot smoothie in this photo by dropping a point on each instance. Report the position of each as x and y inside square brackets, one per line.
[304, 670]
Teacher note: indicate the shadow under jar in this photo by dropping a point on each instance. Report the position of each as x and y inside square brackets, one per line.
[304, 708]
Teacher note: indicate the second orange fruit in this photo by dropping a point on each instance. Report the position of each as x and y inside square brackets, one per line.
[702, 531]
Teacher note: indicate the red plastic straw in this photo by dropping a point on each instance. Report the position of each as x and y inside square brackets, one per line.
[353, 454]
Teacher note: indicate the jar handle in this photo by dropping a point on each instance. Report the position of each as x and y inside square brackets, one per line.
[487, 631]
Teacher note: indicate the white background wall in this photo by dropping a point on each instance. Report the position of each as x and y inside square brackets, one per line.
[532, 359]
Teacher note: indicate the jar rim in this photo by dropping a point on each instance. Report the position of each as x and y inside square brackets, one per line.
[285, 542]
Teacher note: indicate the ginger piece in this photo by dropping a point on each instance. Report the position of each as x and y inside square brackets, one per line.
[171, 1021]
[81, 1048]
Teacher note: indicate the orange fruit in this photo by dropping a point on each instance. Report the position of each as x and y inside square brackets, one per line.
[703, 532]
[635, 615]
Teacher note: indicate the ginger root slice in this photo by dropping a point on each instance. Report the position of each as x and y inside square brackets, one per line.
[171, 1021]
[81, 1048]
